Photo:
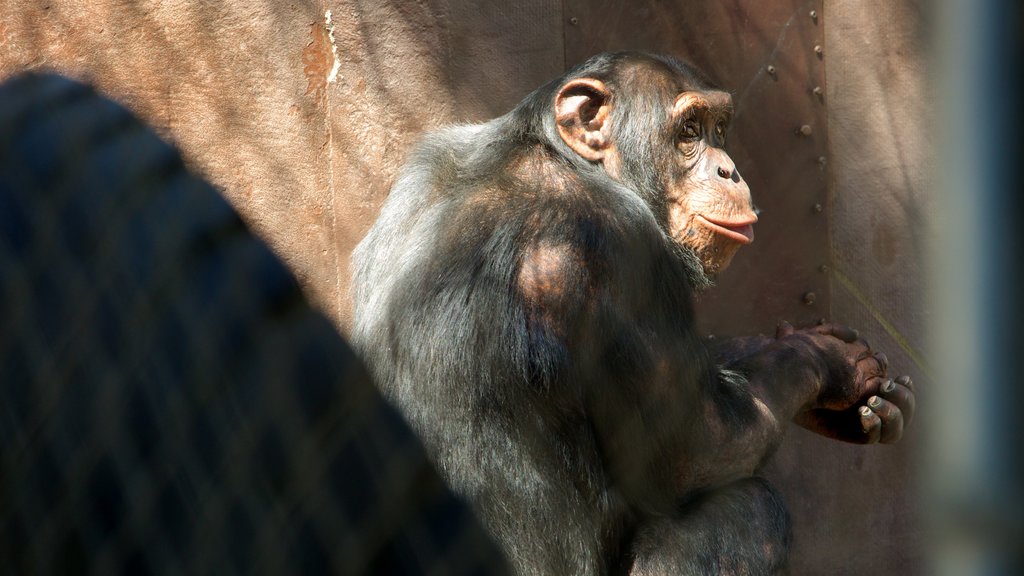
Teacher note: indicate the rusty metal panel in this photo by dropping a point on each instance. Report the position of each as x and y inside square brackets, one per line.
[764, 54]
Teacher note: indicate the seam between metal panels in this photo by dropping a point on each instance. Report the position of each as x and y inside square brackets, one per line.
[565, 36]
[821, 23]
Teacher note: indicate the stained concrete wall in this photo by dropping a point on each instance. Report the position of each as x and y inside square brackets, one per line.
[248, 91]
[302, 122]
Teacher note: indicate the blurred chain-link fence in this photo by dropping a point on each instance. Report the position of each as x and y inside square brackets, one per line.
[169, 402]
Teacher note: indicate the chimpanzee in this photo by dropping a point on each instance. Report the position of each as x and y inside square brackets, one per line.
[525, 298]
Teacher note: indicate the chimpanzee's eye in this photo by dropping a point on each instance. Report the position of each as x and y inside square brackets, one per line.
[720, 129]
[691, 130]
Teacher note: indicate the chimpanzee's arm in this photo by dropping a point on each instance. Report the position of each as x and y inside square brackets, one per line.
[727, 350]
[834, 423]
[825, 378]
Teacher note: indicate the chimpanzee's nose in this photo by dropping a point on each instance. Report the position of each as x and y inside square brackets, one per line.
[728, 174]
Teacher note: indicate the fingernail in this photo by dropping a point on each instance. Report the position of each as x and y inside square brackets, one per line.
[904, 380]
[865, 425]
[889, 386]
[874, 401]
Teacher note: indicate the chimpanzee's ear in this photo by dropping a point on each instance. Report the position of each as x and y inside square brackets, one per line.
[581, 112]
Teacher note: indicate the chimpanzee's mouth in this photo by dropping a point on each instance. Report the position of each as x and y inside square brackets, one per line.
[742, 231]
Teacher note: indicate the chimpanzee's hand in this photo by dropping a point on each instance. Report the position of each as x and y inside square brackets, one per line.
[857, 402]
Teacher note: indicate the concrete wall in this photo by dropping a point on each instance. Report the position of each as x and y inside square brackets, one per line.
[302, 121]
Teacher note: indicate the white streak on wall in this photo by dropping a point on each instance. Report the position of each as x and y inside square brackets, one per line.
[333, 75]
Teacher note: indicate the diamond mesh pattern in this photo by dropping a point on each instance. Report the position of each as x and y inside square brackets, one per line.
[169, 402]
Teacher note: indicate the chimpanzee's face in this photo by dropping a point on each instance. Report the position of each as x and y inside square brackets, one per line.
[708, 203]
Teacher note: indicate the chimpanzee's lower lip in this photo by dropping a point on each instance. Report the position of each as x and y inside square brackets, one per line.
[740, 232]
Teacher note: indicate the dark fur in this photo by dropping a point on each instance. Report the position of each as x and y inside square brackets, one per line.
[549, 413]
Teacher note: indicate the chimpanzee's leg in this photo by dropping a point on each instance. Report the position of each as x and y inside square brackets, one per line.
[739, 529]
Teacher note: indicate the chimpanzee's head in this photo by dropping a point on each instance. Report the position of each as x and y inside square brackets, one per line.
[657, 126]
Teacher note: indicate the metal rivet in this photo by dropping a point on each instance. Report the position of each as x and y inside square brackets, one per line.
[814, 15]
[818, 50]
[818, 91]
[771, 70]
[822, 160]
[574, 20]
[823, 268]
[818, 208]
[805, 130]
[809, 298]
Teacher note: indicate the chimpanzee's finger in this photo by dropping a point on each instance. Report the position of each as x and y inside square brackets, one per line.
[901, 396]
[870, 367]
[883, 361]
[891, 418]
[874, 385]
[783, 329]
[844, 333]
[871, 424]
[865, 348]
[905, 381]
